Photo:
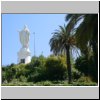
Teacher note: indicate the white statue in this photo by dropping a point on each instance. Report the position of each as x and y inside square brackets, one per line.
[24, 36]
[24, 54]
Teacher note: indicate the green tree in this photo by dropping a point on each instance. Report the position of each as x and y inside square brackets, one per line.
[56, 68]
[62, 41]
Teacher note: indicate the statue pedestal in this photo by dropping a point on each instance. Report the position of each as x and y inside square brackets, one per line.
[24, 55]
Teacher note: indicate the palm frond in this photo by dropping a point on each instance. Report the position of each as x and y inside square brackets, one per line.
[60, 39]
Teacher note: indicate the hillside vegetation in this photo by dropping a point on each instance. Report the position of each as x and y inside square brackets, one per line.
[50, 71]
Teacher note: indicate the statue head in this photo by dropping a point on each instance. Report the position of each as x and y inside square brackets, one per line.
[26, 29]
[25, 26]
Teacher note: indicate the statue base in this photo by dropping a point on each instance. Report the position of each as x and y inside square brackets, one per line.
[24, 55]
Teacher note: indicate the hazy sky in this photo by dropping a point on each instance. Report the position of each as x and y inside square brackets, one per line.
[42, 24]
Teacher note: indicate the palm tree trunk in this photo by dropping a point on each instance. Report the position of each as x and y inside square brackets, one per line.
[68, 64]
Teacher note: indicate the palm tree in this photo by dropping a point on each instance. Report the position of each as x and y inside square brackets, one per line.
[62, 41]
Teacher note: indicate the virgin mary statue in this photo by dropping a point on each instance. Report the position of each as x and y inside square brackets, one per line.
[24, 54]
[24, 37]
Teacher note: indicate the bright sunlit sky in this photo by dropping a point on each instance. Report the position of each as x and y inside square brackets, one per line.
[42, 24]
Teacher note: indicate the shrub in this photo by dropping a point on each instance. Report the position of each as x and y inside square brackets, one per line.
[56, 68]
[75, 74]
[84, 81]
[93, 70]
[38, 61]
[22, 79]
[87, 66]
[82, 65]
[3, 76]
[9, 75]
[39, 74]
